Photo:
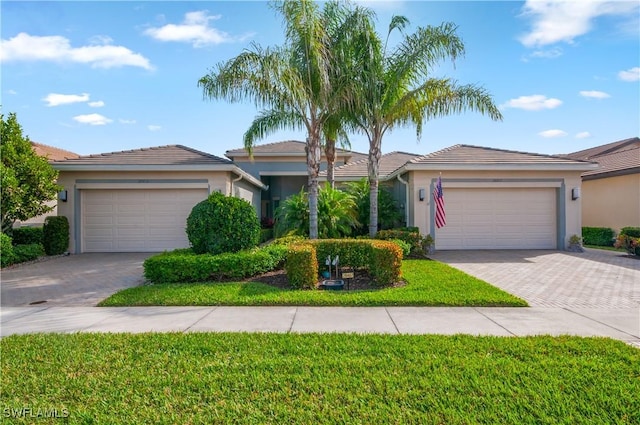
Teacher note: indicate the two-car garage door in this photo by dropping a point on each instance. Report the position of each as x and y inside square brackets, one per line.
[499, 218]
[135, 220]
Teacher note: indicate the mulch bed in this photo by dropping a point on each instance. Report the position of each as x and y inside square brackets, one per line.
[361, 281]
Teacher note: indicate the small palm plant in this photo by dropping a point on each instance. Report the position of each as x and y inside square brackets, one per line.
[337, 214]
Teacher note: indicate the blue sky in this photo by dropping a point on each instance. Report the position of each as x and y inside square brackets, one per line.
[94, 77]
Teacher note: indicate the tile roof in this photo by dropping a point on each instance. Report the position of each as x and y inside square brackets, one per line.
[621, 157]
[52, 153]
[389, 163]
[478, 155]
[606, 149]
[160, 155]
[284, 148]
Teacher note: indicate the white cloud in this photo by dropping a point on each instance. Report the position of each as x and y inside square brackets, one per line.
[12, 92]
[92, 119]
[96, 104]
[563, 21]
[632, 74]
[194, 29]
[594, 94]
[535, 102]
[548, 134]
[123, 121]
[154, 127]
[583, 135]
[548, 54]
[56, 99]
[25, 47]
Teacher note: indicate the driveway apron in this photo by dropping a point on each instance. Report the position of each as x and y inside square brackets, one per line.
[75, 280]
[592, 279]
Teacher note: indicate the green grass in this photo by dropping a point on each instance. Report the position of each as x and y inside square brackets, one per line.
[429, 283]
[606, 248]
[320, 379]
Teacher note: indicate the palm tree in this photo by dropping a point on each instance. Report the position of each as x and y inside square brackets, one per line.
[396, 90]
[295, 85]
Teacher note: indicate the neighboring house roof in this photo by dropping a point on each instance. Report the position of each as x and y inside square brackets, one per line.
[286, 148]
[170, 157]
[468, 157]
[614, 159]
[52, 153]
[389, 163]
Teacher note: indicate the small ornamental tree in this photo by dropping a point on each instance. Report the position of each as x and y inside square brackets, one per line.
[223, 224]
[28, 180]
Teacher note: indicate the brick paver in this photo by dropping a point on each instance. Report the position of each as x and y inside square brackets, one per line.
[75, 280]
[594, 278]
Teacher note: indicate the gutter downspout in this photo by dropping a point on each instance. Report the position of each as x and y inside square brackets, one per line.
[234, 181]
[406, 200]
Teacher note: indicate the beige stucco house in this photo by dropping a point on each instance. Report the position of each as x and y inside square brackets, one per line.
[494, 199]
[611, 193]
[138, 200]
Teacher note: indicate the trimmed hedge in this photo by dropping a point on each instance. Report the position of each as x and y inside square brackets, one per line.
[27, 235]
[410, 235]
[634, 232]
[55, 235]
[28, 252]
[183, 265]
[598, 236]
[301, 266]
[6, 250]
[383, 259]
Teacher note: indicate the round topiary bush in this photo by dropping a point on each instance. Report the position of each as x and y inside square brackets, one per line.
[223, 224]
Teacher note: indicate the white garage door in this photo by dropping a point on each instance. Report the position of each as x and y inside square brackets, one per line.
[510, 218]
[136, 220]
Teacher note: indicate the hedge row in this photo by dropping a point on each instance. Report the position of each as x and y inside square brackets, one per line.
[10, 254]
[183, 265]
[598, 236]
[27, 235]
[383, 259]
[419, 244]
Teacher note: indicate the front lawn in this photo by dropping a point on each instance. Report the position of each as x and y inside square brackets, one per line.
[309, 378]
[428, 283]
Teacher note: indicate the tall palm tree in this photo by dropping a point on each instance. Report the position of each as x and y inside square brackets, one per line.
[397, 90]
[296, 85]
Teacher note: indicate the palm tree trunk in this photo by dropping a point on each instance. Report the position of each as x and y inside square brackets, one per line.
[330, 153]
[374, 172]
[313, 169]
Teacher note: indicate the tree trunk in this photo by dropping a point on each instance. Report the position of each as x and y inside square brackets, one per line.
[313, 169]
[374, 171]
[330, 153]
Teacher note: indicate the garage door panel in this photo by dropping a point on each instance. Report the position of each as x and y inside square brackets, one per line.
[136, 220]
[492, 218]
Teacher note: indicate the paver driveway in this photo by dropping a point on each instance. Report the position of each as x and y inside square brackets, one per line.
[75, 280]
[593, 279]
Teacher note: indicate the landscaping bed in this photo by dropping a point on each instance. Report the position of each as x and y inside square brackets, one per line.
[204, 378]
[424, 283]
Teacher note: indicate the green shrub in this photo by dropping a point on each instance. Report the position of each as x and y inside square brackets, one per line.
[628, 243]
[598, 236]
[223, 224]
[634, 232]
[302, 266]
[27, 252]
[383, 259]
[419, 243]
[404, 246]
[288, 240]
[388, 212]
[27, 235]
[336, 213]
[183, 266]
[386, 262]
[6, 250]
[55, 235]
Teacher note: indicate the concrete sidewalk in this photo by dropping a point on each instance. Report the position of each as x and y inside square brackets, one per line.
[619, 323]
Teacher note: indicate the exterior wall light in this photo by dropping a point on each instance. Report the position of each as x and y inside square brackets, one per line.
[421, 194]
[575, 193]
[62, 195]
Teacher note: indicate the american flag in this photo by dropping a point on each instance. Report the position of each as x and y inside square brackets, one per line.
[439, 201]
